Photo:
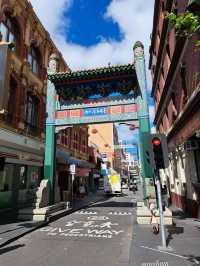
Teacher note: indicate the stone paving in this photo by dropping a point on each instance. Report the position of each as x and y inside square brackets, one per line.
[182, 240]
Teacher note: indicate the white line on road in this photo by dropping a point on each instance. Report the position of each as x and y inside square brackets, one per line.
[172, 254]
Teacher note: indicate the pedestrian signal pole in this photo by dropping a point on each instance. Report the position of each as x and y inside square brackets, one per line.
[161, 161]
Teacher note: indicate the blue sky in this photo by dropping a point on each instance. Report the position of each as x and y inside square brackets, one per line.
[88, 25]
[93, 33]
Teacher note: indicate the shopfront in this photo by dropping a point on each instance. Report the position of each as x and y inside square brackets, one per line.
[70, 188]
[21, 170]
[19, 181]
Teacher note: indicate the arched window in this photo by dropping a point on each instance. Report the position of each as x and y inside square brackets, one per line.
[10, 32]
[7, 31]
[33, 59]
[32, 113]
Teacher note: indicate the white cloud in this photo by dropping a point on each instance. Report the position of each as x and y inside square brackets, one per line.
[134, 19]
[51, 14]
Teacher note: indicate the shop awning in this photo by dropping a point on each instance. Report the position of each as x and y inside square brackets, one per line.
[64, 157]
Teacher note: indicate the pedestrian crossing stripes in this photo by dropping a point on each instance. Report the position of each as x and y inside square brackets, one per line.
[86, 212]
[120, 213]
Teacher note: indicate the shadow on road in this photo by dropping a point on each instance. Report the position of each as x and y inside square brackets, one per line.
[194, 259]
[115, 204]
[7, 249]
[173, 230]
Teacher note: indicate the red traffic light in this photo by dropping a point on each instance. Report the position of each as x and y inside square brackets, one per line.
[156, 141]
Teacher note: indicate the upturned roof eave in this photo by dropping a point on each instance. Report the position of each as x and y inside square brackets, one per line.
[92, 73]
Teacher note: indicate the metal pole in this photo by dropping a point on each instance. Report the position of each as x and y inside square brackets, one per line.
[72, 188]
[162, 227]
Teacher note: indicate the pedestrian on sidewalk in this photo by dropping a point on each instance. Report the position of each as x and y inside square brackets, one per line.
[154, 212]
[82, 190]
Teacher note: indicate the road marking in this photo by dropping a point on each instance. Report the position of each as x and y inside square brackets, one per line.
[86, 212]
[120, 213]
[169, 253]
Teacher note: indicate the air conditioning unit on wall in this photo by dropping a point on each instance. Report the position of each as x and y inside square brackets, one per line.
[191, 145]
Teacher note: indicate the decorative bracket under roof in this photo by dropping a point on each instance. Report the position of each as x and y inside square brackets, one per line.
[101, 81]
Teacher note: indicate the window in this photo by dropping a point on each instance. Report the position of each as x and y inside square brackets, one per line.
[8, 31]
[22, 177]
[66, 138]
[183, 75]
[174, 110]
[84, 145]
[11, 100]
[6, 177]
[33, 59]
[32, 111]
[197, 160]
[75, 146]
[33, 174]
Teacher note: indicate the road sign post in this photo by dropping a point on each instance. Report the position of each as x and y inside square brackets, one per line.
[72, 169]
[160, 161]
[162, 225]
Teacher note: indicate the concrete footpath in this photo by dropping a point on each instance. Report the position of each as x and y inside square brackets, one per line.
[10, 230]
[183, 240]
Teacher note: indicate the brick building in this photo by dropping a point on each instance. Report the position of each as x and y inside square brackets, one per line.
[175, 68]
[22, 107]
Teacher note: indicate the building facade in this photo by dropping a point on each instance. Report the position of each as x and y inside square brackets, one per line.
[22, 106]
[106, 137]
[72, 148]
[175, 68]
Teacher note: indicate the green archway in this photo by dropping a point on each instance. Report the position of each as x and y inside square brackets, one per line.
[69, 103]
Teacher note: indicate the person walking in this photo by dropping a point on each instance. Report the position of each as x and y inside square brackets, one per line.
[154, 212]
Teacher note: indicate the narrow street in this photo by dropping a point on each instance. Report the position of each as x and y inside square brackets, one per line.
[99, 235]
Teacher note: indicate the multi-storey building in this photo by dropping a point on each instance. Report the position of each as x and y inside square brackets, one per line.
[106, 137]
[72, 148]
[175, 67]
[22, 106]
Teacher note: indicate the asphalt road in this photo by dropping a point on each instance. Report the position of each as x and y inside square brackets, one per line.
[95, 236]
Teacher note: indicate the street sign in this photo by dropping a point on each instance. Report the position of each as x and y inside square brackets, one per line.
[72, 168]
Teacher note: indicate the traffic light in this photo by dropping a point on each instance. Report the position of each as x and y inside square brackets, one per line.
[160, 151]
[2, 163]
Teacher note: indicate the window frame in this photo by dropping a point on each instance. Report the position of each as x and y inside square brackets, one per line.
[32, 111]
[9, 26]
[11, 99]
[33, 59]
